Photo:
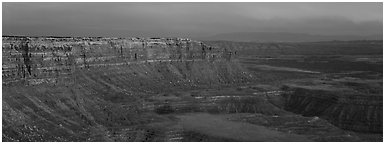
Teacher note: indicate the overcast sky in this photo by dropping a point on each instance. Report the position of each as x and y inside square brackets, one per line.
[189, 19]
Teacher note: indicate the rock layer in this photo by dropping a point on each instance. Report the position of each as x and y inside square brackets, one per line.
[79, 89]
[39, 59]
[345, 109]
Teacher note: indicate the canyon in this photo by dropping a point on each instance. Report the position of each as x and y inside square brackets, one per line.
[178, 89]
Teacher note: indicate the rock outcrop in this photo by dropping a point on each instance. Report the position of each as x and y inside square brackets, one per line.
[344, 107]
[96, 89]
[40, 59]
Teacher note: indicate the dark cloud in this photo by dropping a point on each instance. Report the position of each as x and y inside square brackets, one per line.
[190, 19]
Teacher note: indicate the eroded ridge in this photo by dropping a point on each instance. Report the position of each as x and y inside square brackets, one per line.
[48, 59]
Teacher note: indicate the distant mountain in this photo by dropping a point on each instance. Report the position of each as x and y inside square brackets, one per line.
[285, 37]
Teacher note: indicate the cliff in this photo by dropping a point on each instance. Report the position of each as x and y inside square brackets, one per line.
[38, 60]
[96, 89]
[353, 108]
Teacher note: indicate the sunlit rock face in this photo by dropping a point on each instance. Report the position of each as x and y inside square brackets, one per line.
[39, 60]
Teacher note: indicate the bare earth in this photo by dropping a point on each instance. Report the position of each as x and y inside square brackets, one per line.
[219, 126]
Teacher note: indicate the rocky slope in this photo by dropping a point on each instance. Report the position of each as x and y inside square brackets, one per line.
[80, 89]
[39, 59]
[127, 89]
[348, 104]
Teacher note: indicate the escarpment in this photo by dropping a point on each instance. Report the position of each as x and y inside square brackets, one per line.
[346, 108]
[134, 89]
[39, 60]
[96, 89]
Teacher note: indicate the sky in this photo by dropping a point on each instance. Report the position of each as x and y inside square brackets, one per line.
[189, 19]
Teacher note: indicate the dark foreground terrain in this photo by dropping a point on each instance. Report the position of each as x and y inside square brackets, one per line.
[158, 89]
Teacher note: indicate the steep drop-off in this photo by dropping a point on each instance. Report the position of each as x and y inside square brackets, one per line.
[39, 59]
[118, 89]
[344, 107]
[58, 89]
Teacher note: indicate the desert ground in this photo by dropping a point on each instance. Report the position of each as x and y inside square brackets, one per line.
[175, 89]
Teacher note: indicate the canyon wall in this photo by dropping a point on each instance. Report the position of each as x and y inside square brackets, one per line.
[45, 59]
[344, 108]
[97, 89]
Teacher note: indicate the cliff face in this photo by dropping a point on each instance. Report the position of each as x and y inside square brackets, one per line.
[75, 89]
[345, 108]
[38, 60]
